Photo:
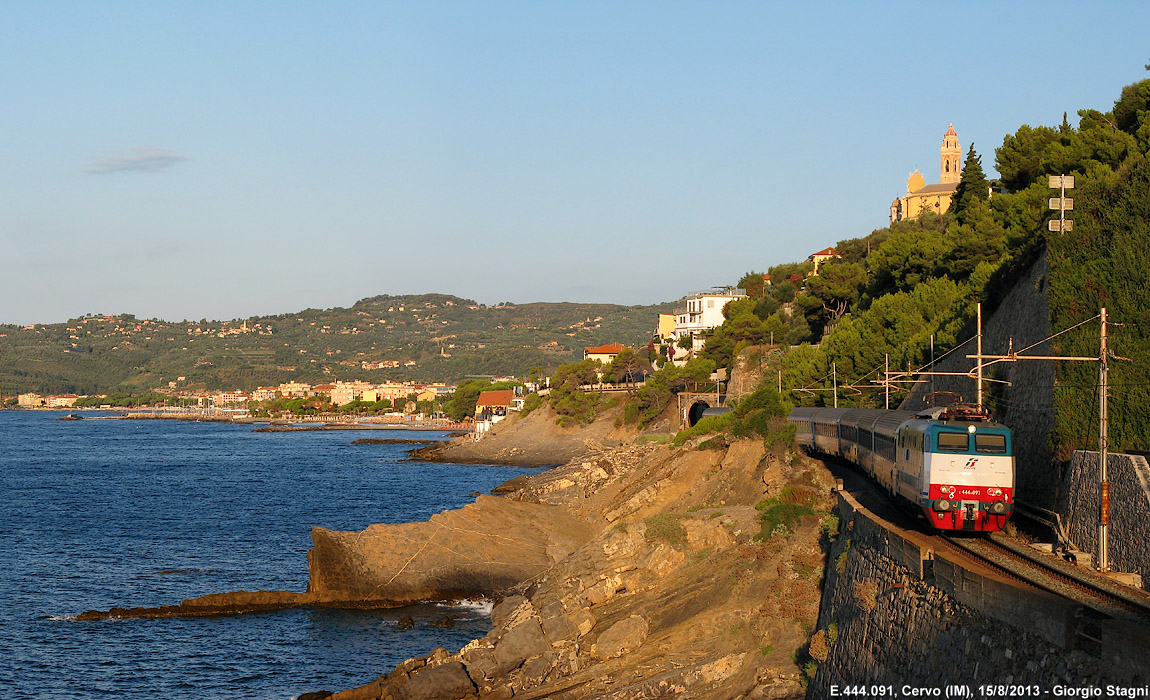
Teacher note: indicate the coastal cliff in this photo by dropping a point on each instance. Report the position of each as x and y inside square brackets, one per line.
[487, 546]
[655, 582]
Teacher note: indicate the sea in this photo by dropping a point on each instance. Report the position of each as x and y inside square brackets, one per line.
[123, 513]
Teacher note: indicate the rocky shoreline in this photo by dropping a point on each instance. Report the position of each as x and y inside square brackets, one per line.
[630, 571]
[660, 587]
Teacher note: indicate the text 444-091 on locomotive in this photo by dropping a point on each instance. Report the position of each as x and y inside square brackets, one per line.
[953, 464]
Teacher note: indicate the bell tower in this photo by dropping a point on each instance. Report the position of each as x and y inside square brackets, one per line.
[950, 157]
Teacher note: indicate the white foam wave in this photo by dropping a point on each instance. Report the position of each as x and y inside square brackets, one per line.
[62, 618]
[474, 606]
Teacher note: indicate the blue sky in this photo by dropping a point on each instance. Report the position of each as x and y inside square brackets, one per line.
[227, 159]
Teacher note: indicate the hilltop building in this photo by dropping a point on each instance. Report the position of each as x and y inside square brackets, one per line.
[922, 197]
[822, 256]
[703, 312]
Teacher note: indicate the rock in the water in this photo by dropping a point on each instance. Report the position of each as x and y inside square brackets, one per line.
[405, 623]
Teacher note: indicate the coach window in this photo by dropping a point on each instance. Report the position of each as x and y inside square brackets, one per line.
[953, 442]
[990, 444]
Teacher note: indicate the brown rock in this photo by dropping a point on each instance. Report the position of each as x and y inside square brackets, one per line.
[447, 681]
[504, 609]
[556, 626]
[447, 621]
[535, 670]
[479, 658]
[621, 638]
[233, 603]
[483, 548]
[519, 644]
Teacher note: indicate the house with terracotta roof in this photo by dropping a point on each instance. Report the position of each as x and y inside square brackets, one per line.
[493, 403]
[821, 257]
[603, 353]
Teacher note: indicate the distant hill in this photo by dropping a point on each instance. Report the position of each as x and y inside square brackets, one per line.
[430, 337]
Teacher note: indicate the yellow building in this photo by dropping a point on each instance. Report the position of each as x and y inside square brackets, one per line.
[666, 327]
[923, 197]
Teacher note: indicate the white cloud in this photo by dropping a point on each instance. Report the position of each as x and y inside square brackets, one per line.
[137, 160]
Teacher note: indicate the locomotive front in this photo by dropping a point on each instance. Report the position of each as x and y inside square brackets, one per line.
[968, 471]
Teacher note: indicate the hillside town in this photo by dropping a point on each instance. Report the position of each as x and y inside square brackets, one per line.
[677, 338]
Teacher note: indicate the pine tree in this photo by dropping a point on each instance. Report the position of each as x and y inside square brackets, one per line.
[973, 185]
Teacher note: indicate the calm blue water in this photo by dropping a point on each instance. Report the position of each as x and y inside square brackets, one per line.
[107, 513]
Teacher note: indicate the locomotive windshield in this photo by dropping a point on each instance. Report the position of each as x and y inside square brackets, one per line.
[982, 441]
[953, 442]
[990, 444]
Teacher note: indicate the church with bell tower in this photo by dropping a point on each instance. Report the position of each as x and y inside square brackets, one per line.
[922, 197]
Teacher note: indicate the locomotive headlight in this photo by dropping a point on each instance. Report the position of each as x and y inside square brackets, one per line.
[970, 429]
[942, 506]
[994, 492]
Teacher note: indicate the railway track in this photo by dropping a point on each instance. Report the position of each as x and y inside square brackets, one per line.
[1100, 598]
[1018, 562]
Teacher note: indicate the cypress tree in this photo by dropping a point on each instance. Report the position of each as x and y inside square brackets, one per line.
[973, 185]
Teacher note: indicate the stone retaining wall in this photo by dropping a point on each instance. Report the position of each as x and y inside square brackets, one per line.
[1129, 541]
[896, 612]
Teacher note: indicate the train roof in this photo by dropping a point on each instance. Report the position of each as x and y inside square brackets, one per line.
[868, 418]
[880, 421]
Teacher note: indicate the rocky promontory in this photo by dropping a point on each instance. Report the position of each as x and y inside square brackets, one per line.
[635, 569]
[655, 582]
[486, 546]
[531, 441]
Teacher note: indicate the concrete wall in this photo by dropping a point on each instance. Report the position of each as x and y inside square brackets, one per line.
[1129, 541]
[895, 612]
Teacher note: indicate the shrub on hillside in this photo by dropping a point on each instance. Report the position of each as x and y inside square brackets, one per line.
[660, 388]
[567, 398]
[759, 414]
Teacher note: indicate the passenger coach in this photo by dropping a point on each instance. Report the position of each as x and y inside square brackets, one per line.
[953, 464]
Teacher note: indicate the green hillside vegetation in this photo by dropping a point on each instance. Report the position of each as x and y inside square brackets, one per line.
[896, 287]
[447, 338]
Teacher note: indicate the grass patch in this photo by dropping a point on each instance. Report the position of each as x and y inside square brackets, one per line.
[715, 443]
[654, 438]
[709, 424]
[841, 562]
[780, 515]
[829, 524]
[666, 527]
